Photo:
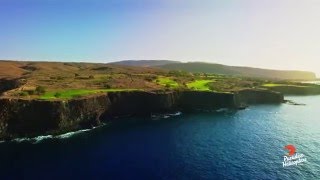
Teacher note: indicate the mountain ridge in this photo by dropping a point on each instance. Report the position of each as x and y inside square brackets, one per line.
[144, 63]
[204, 67]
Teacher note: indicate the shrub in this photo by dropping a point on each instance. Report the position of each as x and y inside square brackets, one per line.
[148, 79]
[31, 92]
[40, 90]
[91, 77]
[107, 86]
[23, 93]
[256, 84]
[57, 94]
[60, 78]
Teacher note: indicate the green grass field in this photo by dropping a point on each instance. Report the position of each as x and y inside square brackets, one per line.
[72, 93]
[200, 85]
[167, 82]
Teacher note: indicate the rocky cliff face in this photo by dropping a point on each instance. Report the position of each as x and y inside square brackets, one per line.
[189, 100]
[19, 118]
[257, 96]
[146, 102]
[139, 102]
[7, 84]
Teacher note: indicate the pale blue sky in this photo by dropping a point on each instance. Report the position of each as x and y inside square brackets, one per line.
[280, 34]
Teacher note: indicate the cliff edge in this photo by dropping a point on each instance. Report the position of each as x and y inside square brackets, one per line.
[27, 118]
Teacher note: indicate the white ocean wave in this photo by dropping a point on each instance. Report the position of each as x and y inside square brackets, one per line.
[222, 110]
[19, 140]
[70, 134]
[33, 140]
[38, 139]
[165, 116]
[176, 114]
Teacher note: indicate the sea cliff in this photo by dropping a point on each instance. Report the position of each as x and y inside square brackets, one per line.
[23, 117]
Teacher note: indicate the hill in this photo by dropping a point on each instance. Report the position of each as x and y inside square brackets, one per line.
[144, 63]
[21, 76]
[199, 67]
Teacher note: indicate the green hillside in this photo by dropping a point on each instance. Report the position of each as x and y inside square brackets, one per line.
[198, 67]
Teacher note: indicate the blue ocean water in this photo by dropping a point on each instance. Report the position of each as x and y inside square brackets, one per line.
[247, 144]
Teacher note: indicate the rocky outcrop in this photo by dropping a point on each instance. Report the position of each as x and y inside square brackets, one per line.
[8, 84]
[19, 117]
[257, 96]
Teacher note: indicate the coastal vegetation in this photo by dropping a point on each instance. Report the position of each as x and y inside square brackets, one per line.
[200, 85]
[167, 82]
[73, 93]
[53, 80]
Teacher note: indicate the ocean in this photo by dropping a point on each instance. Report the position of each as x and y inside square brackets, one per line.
[245, 144]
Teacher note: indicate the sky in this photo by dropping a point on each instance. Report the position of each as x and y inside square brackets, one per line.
[276, 34]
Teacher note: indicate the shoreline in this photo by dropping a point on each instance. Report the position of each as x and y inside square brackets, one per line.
[21, 118]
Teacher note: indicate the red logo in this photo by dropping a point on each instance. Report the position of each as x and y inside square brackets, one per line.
[291, 149]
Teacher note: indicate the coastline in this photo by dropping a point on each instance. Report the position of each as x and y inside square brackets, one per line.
[31, 118]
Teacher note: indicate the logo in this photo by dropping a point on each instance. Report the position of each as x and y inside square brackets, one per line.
[292, 158]
[291, 149]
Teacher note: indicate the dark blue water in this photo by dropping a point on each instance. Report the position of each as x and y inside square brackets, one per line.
[246, 144]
